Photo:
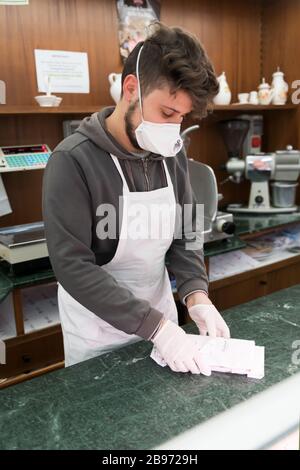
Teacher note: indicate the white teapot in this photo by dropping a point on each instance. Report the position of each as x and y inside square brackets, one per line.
[115, 86]
[279, 87]
[265, 93]
[224, 95]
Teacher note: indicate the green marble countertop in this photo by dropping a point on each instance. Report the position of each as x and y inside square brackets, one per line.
[123, 400]
[249, 223]
[10, 281]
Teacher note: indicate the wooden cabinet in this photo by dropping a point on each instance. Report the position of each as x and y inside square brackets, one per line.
[29, 352]
[244, 287]
[238, 291]
[248, 285]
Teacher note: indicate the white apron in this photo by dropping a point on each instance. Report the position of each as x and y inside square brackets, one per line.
[138, 265]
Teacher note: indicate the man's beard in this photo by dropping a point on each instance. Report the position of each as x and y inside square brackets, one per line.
[129, 127]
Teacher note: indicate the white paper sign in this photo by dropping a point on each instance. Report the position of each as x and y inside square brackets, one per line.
[14, 2]
[2, 92]
[68, 72]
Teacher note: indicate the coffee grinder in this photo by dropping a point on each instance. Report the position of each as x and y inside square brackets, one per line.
[281, 167]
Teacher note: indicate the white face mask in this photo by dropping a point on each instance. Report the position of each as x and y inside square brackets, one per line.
[161, 138]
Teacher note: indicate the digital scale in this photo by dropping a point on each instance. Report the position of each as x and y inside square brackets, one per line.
[25, 157]
[22, 247]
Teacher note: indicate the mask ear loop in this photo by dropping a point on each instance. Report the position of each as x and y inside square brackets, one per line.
[138, 79]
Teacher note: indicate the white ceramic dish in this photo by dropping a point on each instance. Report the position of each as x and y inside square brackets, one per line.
[48, 100]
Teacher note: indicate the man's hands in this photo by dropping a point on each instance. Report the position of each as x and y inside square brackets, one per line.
[209, 320]
[206, 316]
[179, 350]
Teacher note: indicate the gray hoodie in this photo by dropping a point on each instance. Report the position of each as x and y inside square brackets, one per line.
[80, 175]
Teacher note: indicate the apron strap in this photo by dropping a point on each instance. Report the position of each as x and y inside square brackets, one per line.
[169, 181]
[117, 163]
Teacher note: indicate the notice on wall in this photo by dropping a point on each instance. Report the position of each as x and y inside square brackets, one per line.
[62, 71]
[14, 2]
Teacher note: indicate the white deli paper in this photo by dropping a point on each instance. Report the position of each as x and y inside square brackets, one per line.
[236, 356]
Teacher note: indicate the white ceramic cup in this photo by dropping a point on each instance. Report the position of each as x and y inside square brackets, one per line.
[253, 97]
[243, 97]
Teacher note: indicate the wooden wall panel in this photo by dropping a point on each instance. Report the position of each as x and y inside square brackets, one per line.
[281, 38]
[72, 25]
[229, 30]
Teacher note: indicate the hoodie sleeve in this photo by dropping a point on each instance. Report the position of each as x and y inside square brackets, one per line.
[68, 218]
[187, 264]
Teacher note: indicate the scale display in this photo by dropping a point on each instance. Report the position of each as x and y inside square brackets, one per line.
[24, 157]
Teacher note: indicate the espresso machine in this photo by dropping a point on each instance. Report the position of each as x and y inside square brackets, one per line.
[273, 175]
[217, 225]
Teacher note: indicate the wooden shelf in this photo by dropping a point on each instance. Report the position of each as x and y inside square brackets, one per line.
[253, 107]
[35, 109]
[17, 110]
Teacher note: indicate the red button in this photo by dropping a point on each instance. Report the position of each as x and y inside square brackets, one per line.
[256, 141]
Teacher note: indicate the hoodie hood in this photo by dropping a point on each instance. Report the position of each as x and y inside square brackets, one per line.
[94, 127]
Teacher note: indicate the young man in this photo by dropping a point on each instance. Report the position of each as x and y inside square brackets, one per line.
[113, 286]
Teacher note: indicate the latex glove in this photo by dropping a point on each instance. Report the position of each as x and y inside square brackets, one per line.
[208, 319]
[179, 351]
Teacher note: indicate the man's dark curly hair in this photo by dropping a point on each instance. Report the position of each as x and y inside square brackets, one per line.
[174, 57]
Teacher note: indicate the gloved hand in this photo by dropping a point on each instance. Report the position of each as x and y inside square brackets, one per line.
[178, 350]
[208, 319]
